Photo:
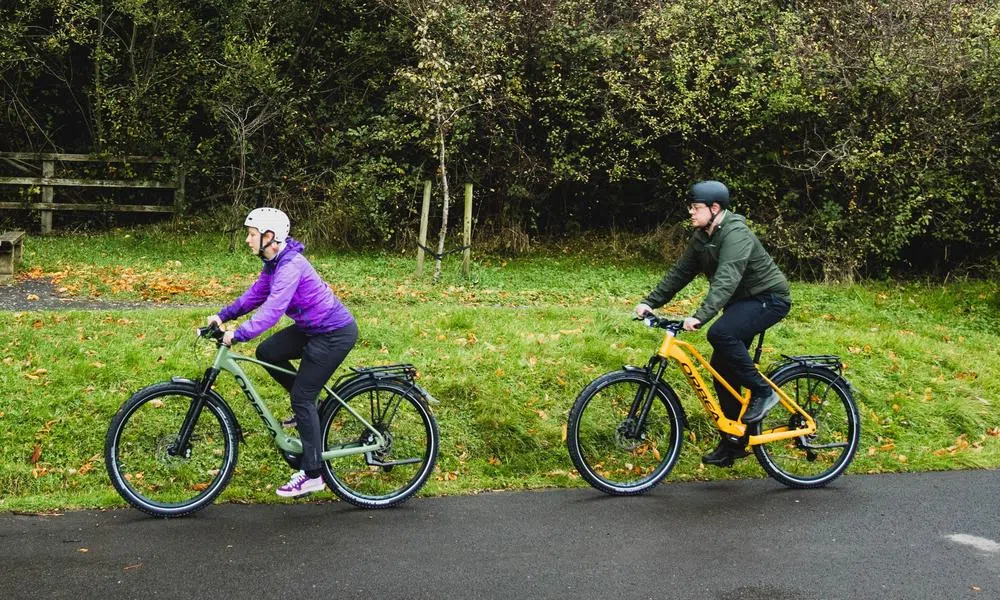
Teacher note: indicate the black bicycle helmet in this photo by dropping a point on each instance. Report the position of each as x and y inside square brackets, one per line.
[709, 192]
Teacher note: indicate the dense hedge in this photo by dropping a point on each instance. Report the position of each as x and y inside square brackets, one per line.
[856, 135]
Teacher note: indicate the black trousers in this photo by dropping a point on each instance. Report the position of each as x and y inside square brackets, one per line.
[731, 336]
[321, 355]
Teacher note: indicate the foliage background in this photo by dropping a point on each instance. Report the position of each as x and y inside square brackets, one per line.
[858, 136]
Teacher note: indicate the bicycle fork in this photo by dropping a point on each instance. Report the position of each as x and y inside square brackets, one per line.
[181, 446]
[643, 401]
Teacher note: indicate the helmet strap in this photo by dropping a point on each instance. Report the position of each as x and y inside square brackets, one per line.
[260, 251]
[714, 218]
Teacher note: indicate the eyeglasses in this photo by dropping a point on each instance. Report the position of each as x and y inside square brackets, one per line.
[694, 206]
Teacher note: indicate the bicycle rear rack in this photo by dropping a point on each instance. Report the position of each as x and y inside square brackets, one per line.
[406, 370]
[830, 361]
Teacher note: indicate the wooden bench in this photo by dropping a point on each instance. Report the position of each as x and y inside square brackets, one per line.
[10, 252]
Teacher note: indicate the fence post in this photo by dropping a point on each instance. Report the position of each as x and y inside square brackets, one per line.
[467, 231]
[425, 212]
[48, 170]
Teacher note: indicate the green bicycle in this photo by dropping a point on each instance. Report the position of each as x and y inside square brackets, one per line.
[171, 448]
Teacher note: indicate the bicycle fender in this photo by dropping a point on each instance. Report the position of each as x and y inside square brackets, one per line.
[664, 388]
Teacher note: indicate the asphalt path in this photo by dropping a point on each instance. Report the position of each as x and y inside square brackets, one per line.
[929, 535]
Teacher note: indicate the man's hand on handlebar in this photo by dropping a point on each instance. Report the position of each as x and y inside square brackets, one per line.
[642, 309]
[691, 323]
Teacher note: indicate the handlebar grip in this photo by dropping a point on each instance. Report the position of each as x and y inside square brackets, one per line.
[213, 331]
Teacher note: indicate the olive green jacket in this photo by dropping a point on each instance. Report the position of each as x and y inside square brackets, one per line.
[733, 260]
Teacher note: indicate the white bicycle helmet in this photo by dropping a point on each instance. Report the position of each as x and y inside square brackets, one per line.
[269, 219]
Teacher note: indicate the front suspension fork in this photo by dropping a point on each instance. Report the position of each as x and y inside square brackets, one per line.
[643, 403]
[181, 446]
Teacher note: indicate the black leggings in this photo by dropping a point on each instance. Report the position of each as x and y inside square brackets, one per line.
[321, 355]
[731, 336]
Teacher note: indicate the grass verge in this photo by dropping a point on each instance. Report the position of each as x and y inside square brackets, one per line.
[505, 353]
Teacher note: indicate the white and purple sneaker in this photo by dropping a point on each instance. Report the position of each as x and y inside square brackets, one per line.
[301, 484]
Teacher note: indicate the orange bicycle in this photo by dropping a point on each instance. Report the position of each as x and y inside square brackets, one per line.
[625, 428]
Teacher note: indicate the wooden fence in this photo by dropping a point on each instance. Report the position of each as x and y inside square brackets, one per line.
[48, 182]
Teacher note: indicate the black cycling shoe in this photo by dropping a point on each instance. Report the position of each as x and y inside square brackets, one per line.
[759, 406]
[725, 453]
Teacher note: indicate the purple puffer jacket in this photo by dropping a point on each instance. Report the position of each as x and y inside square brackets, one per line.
[288, 284]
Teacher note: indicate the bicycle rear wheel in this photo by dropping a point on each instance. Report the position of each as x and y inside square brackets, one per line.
[610, 449]
[147, 468]
[815, 460]
[390, 476]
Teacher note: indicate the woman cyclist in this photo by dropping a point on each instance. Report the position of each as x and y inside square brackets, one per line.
[322, 335]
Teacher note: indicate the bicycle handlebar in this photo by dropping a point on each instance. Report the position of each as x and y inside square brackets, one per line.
[651, 320]
[212, 331]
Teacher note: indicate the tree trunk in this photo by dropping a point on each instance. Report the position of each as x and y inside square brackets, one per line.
[444, 211]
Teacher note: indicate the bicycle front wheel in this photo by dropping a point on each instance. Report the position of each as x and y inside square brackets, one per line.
[815, 460]
[147, 467]
[610, 448]
[387, 477]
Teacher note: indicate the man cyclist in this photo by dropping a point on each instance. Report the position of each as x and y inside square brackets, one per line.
[749, 289]
[324, 331]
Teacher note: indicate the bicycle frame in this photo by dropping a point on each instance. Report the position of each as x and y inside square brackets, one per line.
[681, 352]
[227, 360]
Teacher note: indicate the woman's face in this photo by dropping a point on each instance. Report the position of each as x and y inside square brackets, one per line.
[253, 239]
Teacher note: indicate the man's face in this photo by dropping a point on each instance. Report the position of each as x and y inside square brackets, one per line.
[701, 214]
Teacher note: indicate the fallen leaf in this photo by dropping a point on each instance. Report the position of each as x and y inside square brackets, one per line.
[494, 461]
[31, 297]
[37, 454]
[83, 550]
